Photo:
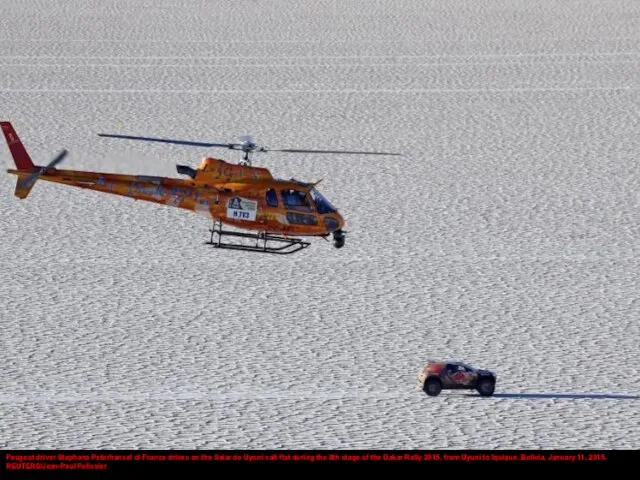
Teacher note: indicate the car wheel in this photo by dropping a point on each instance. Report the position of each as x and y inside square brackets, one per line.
[432, 387]
[486, 387]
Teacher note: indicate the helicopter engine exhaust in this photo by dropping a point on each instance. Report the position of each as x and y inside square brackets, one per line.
[186, 170]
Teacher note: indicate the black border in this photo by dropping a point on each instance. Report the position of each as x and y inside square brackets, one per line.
[111, 462]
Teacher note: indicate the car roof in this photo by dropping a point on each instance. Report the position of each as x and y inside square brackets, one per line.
[448, 362]
[458, 362]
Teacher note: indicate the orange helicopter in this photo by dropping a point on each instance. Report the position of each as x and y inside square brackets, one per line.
[271, 211]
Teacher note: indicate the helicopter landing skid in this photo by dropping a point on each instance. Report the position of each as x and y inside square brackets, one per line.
[287, 245]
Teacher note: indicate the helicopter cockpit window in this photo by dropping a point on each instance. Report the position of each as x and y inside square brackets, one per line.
[322, 204]
[272, 198]
[296, 200]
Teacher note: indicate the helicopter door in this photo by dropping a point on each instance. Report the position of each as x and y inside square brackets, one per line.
[300, 201]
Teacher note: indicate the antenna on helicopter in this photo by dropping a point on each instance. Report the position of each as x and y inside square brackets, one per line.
[247, 146]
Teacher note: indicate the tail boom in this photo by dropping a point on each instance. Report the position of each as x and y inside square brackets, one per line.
[166, 191]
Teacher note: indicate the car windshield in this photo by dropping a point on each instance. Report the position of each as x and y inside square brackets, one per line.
[458, 365]
[322, 204]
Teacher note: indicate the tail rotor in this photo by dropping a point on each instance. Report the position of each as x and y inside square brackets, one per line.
[27, 172]
[26, 183]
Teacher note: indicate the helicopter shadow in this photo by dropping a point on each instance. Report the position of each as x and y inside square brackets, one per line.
[561, 396]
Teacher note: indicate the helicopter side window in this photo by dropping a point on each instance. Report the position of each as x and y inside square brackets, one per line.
[301, 218]
[296, 200]
[272, 198]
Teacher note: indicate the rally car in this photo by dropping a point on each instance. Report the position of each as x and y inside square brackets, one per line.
[454, 375]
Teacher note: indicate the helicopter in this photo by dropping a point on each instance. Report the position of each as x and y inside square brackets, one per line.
[272, 214]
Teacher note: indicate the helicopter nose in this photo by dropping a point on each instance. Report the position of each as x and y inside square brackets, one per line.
[333, 222]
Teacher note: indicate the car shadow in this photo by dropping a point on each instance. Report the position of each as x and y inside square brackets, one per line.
[559, 396]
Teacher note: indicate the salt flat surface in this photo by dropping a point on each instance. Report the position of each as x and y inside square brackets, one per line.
[508, 236]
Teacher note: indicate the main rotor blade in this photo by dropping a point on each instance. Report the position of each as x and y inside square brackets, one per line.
[333, 151]
[167, 140]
